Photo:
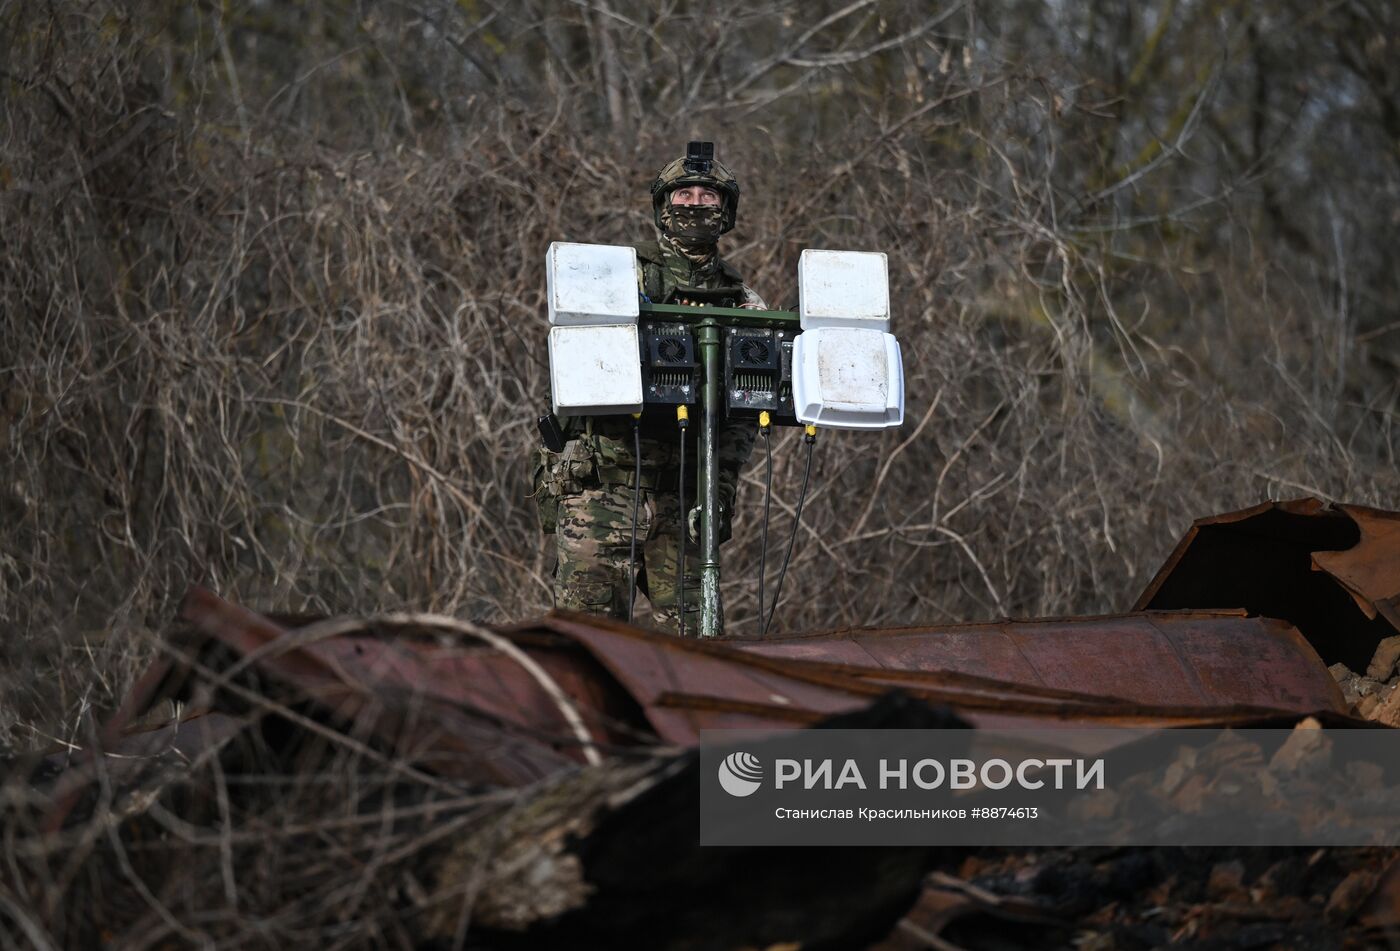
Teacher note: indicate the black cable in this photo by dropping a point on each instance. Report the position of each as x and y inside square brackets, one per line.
[767, 498]
[796, 521]
[636, 497]
[685, 527]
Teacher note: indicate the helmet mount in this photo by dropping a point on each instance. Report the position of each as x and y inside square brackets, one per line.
[699, 157]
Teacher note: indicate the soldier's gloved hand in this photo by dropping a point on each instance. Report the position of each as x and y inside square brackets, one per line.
[694, 522]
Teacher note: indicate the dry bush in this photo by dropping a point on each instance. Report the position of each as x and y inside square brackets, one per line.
[273, 323]
[281, 836]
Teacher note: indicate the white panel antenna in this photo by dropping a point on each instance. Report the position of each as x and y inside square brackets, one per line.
[847, 372]
[591, 284]
[843, 289]
[847, 378]
[594, 359]
[595, 371]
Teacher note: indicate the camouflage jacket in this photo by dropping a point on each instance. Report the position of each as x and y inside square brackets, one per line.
[599, 450]
[661, 269]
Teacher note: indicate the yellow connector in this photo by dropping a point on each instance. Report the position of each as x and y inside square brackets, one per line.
[683, 415]
[811, 431]
[764, 420]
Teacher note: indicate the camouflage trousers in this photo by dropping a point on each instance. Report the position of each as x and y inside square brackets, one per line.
[594, 539]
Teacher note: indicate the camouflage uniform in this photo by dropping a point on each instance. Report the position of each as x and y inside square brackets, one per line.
[586, 491]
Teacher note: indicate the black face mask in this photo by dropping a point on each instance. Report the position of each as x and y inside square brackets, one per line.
[692, 226]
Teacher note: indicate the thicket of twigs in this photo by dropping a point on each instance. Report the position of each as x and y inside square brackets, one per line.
[271, 320]
[271, 312]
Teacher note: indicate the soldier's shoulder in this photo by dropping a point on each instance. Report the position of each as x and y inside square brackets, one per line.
[648, 251]
[730, 272]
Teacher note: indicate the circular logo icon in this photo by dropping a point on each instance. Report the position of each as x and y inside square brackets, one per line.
[740, 774]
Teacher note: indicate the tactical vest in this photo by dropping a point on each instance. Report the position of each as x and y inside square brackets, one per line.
[658, 282]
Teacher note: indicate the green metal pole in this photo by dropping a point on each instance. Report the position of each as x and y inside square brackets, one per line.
[711, 610]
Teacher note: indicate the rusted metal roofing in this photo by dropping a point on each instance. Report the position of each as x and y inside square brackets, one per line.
[463, 710]
[508, 705]
[1370, 569]
[537, 697]
[688, 685]
[1332, 571]
[1155, 658]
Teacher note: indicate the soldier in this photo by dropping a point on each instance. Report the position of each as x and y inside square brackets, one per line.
[586, 492]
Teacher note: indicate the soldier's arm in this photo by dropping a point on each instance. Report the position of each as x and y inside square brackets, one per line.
[752, 300]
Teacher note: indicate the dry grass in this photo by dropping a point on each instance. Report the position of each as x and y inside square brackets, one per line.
[302, 370]
[281, 333]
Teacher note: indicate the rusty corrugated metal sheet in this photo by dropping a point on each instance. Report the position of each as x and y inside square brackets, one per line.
[560, 689]
[1332, 571]
[689, 685]
[125, 757]
[460, 711]
[1154, 659]
[509, 705]
[1370, 569]
[471, 711]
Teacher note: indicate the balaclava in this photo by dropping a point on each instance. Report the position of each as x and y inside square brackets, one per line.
[692, 230]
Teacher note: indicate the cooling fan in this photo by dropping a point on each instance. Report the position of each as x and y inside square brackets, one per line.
[669, 368]
[753, 352]
[672, 352]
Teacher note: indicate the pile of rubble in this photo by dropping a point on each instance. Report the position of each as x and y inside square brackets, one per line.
[1319, 783]
[1373, 695]
[1140, 899]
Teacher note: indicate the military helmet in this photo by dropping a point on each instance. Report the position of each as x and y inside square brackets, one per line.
[697, 167]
